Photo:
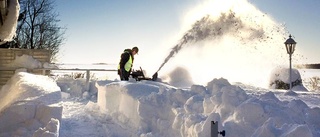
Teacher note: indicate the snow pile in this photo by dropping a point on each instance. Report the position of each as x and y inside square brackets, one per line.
[75, 88]
[29, 103]
[280, 79]
[155, 109]
[28, 62]
[8, 29]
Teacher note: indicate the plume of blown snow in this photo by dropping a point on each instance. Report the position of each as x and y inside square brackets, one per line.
[220, 36]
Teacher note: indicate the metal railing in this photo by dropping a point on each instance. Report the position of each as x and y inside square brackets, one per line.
[77, 69]
[87, 86]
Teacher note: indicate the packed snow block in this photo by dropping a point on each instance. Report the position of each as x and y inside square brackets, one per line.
[50, 130]
[124, 99]
[36, 88]
[17, 113]
[114, 98]
[108, 93]
[28, 114]
[45, 113]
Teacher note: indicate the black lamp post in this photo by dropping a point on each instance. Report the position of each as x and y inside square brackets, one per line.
[290, 46]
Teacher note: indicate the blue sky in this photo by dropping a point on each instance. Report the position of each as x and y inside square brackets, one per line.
[302, 19]
[99, 30]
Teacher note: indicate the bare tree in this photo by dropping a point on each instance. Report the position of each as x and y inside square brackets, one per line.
[38, 26]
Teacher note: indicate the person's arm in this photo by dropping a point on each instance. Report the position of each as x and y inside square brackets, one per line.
[124, 60]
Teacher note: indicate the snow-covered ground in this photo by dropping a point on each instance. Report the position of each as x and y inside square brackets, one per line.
[42, 106]
[35, 105]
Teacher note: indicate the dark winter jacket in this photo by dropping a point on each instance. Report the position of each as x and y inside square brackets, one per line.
[125, 57]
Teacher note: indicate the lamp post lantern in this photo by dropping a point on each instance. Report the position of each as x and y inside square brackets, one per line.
[290, 46]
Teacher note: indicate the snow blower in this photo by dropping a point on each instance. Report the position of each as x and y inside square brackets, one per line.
[139, 75]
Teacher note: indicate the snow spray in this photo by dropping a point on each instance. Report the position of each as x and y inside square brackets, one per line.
[232, 40]
[208, 28]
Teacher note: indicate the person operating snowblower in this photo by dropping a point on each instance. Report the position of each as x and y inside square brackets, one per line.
[125, 67]
[126, 62]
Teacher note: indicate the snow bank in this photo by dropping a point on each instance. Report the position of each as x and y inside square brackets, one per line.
[127, 105]
[156, 109]
[28, 103]
[29, 107]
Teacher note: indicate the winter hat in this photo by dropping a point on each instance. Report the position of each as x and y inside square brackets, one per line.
[136, 49]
